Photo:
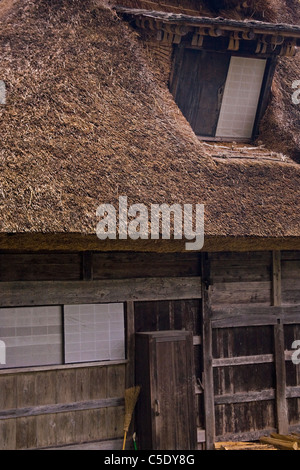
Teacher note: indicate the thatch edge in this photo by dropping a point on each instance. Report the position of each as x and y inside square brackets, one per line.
[73, 242]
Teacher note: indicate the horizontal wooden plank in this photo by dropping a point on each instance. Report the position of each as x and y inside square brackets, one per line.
[290, 255]
[245, 397]
[79, 365]
[112, 444]
[245, 436]
[242, 360]
[293, 392]
[244, 320]
[241, 293]
[61, 408]
[14, 294]
[236, 258]
[234, 316]
[39, 266]
[141, 265]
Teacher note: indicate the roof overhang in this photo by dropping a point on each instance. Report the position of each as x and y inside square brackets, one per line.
[33, 242]
[279, 39]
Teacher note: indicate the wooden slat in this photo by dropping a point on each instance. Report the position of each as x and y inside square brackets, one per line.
[293, 392]
[61, 408]
[244, 320]
[232, 316]
[245, 397]
[242, 360]
[244, 436]
[13, 294]
[112, 444]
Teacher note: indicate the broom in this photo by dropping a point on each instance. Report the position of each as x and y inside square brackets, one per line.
[131, 396]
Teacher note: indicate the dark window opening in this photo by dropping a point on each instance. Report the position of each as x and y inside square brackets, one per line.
[220, 93]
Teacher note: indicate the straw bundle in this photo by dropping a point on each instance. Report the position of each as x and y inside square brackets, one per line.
[131, 396]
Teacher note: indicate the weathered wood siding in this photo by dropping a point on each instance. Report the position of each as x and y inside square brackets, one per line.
[57, 407]
[243, 310]
[64, 405]
[253, 317]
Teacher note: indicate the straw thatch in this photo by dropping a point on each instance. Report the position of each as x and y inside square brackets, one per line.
[89, 119]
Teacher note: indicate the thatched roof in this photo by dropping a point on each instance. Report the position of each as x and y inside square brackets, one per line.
[88, 119]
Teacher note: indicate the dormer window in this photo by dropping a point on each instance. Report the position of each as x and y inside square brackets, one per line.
[219, 93]
[222, 69]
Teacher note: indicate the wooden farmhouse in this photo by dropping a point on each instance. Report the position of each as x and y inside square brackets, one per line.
[149, 103]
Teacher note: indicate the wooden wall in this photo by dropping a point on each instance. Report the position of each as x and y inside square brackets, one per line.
[243, 309]
[69, 405]
[61, 406]
[253, 316]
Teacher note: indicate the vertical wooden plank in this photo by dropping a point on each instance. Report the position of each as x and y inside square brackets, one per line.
[65, 390]
[207, 357]
[82, 384]
[98, 383]
[26, 431]
[116, 381]
[26, 390]
[281, 402]
[87, 266]
[276, 278]
[65, 428]
[130, 344]
[45, 386]
[8, 396]
[8, 434]
[46, 430]
[115, 421]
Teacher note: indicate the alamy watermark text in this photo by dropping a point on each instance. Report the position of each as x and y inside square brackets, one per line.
[165, 221]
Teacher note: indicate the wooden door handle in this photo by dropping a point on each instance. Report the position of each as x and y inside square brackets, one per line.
[157, 407]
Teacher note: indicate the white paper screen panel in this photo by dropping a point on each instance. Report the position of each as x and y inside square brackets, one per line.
[32, 336]
[241, 97]
[94, 332]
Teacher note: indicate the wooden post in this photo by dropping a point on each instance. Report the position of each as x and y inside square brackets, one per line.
[281, 403]
[130, 343]
[207, 359]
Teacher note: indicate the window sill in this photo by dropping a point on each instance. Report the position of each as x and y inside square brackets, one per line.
[224, 139]
[76, 365]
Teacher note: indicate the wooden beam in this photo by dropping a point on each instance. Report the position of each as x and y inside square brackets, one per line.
[293, 392]
[281, 403]
[246, 397]
[242, 360]
[15, 294]
[61, 408]
[209, 405]
[276, 278]
[244, 320]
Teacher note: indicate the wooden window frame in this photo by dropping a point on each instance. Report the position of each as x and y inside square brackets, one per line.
[271, 62]
[64, 363]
